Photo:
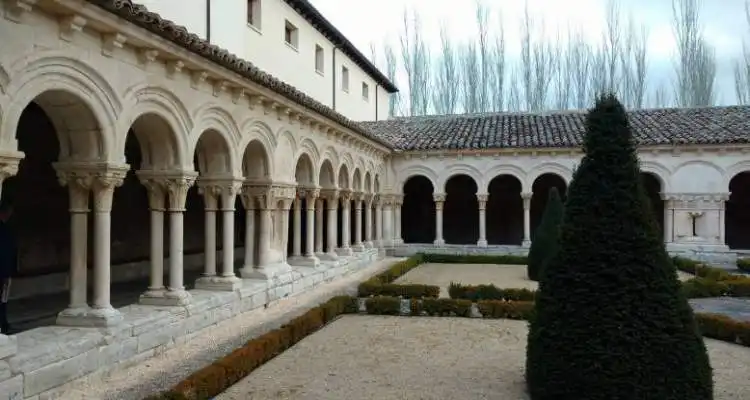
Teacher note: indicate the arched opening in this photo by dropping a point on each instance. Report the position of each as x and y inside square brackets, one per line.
[505, 211]
[255, 162]
[461, 211]
[653, 190]
[55, 125]
[737, 219]
[304, 176]
[418, 211]
[540, 194]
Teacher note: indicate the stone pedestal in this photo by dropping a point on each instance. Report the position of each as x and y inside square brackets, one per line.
[304, 261]
[89, 317]
[218, 283]
[267, 272]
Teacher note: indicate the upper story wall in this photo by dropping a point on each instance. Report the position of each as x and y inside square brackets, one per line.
[306, 63]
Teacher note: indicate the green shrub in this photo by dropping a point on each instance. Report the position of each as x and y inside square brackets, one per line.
[489, 292]
[544, 246]
[382, 283]
[383, 305]
[446, 307]
[507, 259]
[610, 320]
[743, 264]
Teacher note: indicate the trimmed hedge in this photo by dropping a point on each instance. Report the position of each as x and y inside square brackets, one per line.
[743, 264]
[489, 292]
[507, 259]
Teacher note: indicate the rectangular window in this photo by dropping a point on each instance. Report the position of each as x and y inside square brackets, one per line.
[345, 79]
[253, 13]
[290, 34]
[319, 60]
[365, 91]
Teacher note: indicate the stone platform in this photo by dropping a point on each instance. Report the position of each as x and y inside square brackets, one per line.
[35, 362]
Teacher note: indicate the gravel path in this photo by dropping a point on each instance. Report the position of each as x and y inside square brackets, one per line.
[161, 372]
[395, 358]
[502, 276]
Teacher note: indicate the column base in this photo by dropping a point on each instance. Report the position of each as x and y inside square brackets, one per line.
[358, 248]
[526, 243]
[158, 297]
[330, 256]
[89, 317]
[439, 242]
[398, 241]
[304, 261]
[369, 244]
[267, 272]
[218, 283]
[482, 243]
[344, 251]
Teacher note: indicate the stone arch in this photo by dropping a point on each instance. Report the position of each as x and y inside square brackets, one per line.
[459, 169]
[259, 130]
[213, 116]
[413, 170]
[461, 208]
[329, 153]
[217, 121]
[256, 161]
[357, 180]
[327, 175]
[504, 211]
[167, 124]
[418, 210]
[565, 173]
[658, 171]
[505, 170]
[309, 147]
[304, 170]
[367, 183]
[214, 153]
[346, 158]
[81, 104]
[284, 158]
[733, 170]
[343, 178]
[697, 176]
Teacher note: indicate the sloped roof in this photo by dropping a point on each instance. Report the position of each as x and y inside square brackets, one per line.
[670, 126]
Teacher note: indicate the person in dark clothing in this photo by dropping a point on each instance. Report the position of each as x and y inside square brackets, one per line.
[8, 264]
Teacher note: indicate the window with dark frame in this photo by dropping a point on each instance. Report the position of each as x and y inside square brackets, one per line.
[319, 59]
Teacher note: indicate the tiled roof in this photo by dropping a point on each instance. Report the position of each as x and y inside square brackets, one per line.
[140, 16]
[316, 19]
[673, 126]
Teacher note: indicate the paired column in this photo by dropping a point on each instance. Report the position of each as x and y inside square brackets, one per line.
[308, 259]
[482, 201]
[379, 221]
[439, 202]
[332, 206]
[219, 192]
[398, 202]
[319, 251]
[345, 250]
[259, 196]
[101, 179]
[368, 220]
[297, 228]
[358, 199]
[526, 196]
[156, 200]
[250, 203]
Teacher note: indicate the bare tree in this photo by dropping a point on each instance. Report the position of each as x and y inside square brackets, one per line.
[482, 19]
[612, 46]
[445, 89]
[579, 60]
[470, 85]
[561, 72]
[660, 98]
[599, 83]
[696, 59]
[391, 70]
[515, 101]
[634, 65]
[498, 72]
[742, 67]
[415, 58]
[536, 65]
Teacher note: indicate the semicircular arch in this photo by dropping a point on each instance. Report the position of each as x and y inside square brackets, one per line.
[417, 170]
[459, 169]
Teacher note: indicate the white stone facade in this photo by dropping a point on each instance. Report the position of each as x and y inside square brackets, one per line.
[99, 79]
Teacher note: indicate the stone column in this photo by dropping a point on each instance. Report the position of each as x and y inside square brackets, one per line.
[79, 189]
[297, 226]
[482, 201]
[219, 193]
[319, 251]
[379, 221]
[177, 187]
[358, 246]
[526, 196]
[229, 191]
[345, 250]
[368, 220]
[156, 200]
[398, 202]
[211, 193]
[439, 202]
[723, 218]
[249, 202]
[387, 221]
[668, 217]
[332, 205]
[103, 186]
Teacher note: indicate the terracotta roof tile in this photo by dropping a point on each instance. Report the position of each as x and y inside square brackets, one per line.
[674, 126]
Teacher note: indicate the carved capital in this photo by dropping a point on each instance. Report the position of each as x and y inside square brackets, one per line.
[482, 200]
[176, 186]
[105, 182]
[345, 195]
[439, 197]
[398, 200]
[215, 189]
[358, 197]
[257, 195]
[101, 178]
[155, 187]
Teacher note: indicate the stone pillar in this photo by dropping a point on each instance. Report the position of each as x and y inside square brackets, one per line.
[358, 199]
[379, 221]
[332, 205]
[211, 195]
[229, 191]
[219, 193]
[79, 189]
[482, 201]
[387, 221]
[105, 181]
[668, 217]
[177, 187]
[368, 220]
[345, 250]
[249, 202]
[156, 200]
[311, 197]
[439, 201]
[723, 219]
[526, 196]
[297, 226]
[398, 202]
[319, 251]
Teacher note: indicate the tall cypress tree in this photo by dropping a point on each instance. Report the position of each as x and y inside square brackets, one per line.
[544, 245]
[610, 320]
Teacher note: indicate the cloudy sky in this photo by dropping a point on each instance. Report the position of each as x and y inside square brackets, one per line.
[367, 21]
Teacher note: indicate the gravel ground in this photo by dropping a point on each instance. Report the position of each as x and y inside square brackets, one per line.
[167, 369]
[502, 276]
[396, 358]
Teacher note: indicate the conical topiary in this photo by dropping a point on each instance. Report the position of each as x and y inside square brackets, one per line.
[544, 245]
[610, 321]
